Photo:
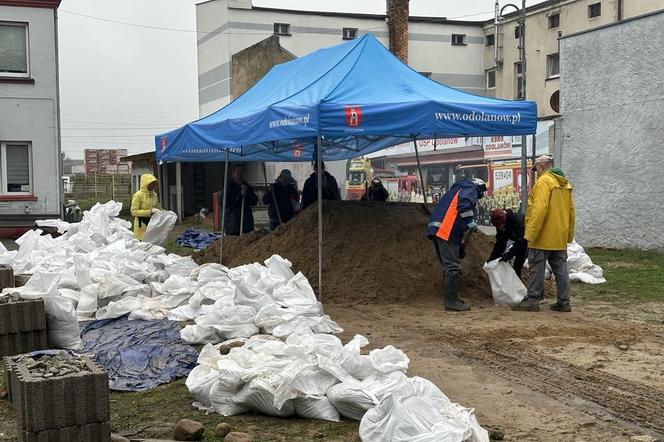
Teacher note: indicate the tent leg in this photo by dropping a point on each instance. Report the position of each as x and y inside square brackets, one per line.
[223, 212]
[178, 189]
[419, 169]
[533, 154]
[320, 218]
[524, 174]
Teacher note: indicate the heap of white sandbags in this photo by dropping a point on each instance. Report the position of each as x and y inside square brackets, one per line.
[315, 376]
[97, 270]
[581, 267]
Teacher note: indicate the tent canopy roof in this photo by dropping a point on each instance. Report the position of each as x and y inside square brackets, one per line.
[357, 96]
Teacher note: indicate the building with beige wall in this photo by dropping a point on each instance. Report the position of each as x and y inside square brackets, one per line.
[545, 23]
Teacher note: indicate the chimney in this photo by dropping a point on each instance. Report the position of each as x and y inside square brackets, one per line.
[397, 25]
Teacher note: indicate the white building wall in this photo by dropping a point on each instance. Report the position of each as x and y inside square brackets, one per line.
[225, 29]
[28, 113]
[612, 131]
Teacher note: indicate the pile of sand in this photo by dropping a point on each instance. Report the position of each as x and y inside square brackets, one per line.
[372, 253]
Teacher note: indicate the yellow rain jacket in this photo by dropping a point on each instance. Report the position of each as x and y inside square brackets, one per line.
[550, 214]
[142, 203]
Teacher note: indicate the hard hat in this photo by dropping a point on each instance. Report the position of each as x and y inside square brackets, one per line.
[481, 185]
[498, 217]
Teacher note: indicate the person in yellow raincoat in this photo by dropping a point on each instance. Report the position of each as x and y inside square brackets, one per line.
[550, 222]
[144, 203]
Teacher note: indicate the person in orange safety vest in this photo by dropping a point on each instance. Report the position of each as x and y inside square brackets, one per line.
[452, 218]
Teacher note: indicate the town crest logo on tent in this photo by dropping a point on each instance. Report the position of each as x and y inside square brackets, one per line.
[163, 144]
[353, 115]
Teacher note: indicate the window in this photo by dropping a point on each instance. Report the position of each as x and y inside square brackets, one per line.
[519, 92]
[491, 79]
[595, 10]
[282, 29]
[15, 168]
[13, 49]
[349, 33]
[458, 39]
[553, 65]
[554, 20]
[490, 40]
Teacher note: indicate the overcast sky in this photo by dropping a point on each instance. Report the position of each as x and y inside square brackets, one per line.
[122, 83]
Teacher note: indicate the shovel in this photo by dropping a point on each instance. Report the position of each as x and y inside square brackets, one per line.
[242, 217]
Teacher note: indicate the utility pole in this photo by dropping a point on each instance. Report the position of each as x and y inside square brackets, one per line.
[521, 95]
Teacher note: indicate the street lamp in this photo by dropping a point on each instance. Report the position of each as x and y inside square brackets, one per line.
[521, 93]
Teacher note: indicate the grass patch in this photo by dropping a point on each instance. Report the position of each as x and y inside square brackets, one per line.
[154, 413]
[631, 275]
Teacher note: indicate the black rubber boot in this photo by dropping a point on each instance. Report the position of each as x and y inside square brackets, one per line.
[451, 294]
[564, 307]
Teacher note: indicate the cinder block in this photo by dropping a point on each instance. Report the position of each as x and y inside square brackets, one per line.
[84, 433]
[6, 277]
[22, 342]
[72, 400]
[8, 375]
[25, 315]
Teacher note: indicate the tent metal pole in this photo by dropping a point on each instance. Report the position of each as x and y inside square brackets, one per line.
[419, 169]
[223, 211]
[319, 174]
[178, 189]
[524, 174]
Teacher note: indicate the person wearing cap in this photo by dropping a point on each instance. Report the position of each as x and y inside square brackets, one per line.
[280, 199]
[376, 191]
[509, 227]
[549, 228]
[310, 189]
[451, 221]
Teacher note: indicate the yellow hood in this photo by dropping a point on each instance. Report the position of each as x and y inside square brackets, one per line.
[146, 180]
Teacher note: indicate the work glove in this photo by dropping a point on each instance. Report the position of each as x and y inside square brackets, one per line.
[505, 258]
[472, 226]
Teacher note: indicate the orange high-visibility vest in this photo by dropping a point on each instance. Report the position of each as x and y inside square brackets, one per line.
[446, 226]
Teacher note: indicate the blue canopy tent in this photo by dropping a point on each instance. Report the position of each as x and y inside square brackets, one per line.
[350, 99]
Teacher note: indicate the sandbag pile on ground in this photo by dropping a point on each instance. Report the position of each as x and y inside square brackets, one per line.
[581, 267]
[97, 270]
[314, 376]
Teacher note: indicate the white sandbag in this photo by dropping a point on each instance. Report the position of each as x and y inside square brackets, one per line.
[220, 292]
[389, 359]
[258, 395]
[210, 272]
[232, 322]
[200, 334]
[296, 294]
[506, 287]
[409, 418]
[316, 407]
[349, 358]
[160, 225]
[87, 302]
[280, 266]
[353, 399]
[324, 324]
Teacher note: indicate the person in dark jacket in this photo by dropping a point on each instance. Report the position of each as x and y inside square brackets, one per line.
[280, 199]
[310, 189]
[238, 191]
[376, 191]
[451, 220]
[509, 227]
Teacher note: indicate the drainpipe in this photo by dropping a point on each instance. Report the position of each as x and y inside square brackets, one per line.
[620, 10]
[58, 135]
[495, 34]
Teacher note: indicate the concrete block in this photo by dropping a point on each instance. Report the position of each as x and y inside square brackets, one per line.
[56, 402]
[24, 315]
[21, 279]
[6, 277]
[22, 342]
[97, 432]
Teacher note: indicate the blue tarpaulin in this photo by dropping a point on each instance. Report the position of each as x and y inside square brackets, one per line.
[196, 239]
[138, 355]
[357, 96]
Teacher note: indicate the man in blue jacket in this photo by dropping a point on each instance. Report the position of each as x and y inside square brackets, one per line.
[452, 218]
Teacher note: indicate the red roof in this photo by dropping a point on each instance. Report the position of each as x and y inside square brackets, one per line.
[52, 4]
